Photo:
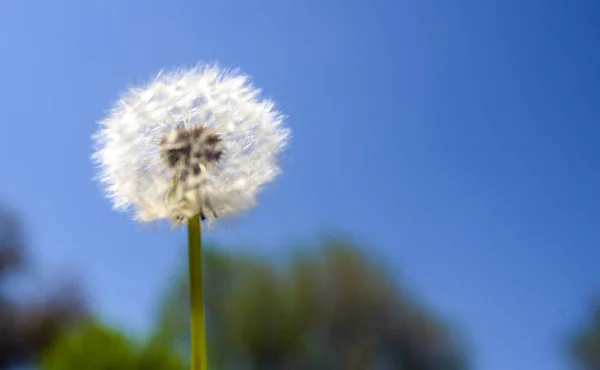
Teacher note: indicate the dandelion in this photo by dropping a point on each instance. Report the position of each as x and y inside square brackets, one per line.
[193, 145]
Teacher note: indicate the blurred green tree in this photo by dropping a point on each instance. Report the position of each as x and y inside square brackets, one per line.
[28, 326]
[333, 309]
[92, 346]
[584, 344]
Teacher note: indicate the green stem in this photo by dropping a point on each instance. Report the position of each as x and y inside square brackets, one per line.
[197, 326]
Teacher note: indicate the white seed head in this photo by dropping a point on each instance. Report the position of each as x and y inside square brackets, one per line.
[194, 141]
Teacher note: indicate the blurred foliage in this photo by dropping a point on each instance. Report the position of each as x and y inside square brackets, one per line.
[92, 346]
[585, 343]
[333, 309]
[27, 327]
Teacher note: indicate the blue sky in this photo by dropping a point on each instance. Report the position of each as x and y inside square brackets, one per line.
[458, 140]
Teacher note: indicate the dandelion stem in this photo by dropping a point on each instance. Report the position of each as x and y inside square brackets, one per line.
[197, 320]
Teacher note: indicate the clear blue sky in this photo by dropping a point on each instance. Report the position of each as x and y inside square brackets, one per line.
[457, 139]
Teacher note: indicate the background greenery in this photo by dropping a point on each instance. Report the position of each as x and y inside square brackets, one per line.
[326, 308]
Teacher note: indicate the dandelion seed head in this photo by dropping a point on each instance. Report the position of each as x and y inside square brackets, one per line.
[193, 141]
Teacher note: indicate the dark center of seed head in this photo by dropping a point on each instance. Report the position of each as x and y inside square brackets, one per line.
[189, 148]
